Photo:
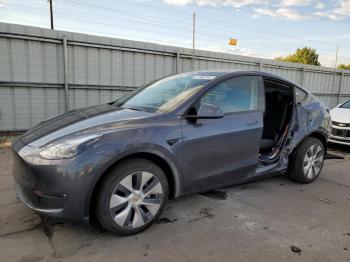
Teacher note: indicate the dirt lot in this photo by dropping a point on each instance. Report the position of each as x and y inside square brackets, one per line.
[260, 221]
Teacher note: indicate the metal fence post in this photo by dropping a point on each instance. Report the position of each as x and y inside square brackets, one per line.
[302, 78]
[260, 66]
[177, 62]
[65, 64]
[340, 86]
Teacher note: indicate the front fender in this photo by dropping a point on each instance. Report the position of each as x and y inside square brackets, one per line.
[158, 151]
[113, 160]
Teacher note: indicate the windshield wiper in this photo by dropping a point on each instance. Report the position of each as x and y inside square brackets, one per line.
[132, 108]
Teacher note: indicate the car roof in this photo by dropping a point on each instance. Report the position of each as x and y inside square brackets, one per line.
[226, 72]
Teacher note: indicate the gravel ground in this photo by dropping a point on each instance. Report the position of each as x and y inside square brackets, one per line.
[269, 220]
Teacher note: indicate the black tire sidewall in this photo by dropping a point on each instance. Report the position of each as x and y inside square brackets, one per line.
[108, 185]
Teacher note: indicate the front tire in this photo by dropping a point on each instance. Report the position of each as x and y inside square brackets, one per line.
[132, 197]
[307, 161]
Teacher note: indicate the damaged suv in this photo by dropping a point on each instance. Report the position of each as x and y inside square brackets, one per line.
[120, 162]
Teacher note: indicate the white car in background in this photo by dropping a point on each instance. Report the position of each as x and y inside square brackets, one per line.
[341, 124]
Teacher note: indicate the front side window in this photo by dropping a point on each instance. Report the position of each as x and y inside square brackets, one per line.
[166, 94]
[234, 95]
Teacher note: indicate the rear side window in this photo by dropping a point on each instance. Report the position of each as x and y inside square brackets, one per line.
[234, 95]
[299, 95]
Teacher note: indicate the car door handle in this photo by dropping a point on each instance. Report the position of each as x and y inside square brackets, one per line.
[253, 123]
[172, 141]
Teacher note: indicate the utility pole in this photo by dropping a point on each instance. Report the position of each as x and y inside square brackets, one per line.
[51, 14]
[193, 38]
[336, 57]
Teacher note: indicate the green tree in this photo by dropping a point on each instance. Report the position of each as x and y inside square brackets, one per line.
[343, 66]
[305, 55]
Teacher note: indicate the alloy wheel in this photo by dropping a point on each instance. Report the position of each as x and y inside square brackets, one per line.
[136, 199]
[313, 161]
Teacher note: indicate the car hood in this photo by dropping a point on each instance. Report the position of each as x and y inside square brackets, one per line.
[78, 120]
[341, 115]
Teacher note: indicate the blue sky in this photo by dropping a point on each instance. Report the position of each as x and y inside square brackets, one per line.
[263, 28]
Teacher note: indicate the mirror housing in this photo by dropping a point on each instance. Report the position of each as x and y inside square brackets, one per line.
[207, 111]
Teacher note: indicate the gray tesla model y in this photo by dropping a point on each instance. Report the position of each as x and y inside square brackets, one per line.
[120, 162]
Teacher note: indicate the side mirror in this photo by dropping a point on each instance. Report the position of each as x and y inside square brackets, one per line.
[207, 111]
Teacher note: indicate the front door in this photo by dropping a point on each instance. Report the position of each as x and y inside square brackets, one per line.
[221, 151]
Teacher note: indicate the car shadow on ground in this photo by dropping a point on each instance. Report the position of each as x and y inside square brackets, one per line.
[194, 203]
[338, 147]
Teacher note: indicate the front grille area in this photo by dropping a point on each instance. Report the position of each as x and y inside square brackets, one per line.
[340, 124]
[340, 132]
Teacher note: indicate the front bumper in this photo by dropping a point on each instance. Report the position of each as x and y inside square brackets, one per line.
[40, 203]
[340, 141]
[340, 135]
[56, 188]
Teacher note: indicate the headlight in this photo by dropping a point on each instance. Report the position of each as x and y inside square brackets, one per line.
[62, 149]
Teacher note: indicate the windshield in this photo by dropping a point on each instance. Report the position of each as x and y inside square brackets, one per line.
[166, 94]
[346, 105]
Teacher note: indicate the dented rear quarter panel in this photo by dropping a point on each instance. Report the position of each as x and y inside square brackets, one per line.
[311, 116]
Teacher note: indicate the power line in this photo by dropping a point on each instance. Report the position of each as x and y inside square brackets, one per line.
[153, 31]
[226, 23]
[216, 29]
[67, 28]
[201, 38]
[161, 25]
[203, 18]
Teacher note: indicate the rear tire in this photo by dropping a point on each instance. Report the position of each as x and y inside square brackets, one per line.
[306, 163]
[132, 197]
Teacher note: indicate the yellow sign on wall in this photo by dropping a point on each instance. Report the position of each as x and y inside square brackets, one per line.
[232, 41]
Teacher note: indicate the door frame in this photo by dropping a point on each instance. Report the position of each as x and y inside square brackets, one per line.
[273, 166]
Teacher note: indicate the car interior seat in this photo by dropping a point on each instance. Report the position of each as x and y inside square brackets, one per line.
[274, 118]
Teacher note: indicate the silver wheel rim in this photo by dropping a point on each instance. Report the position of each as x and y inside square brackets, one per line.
[136, 199]
[313, 161]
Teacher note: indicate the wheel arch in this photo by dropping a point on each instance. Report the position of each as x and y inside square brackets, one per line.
[315, 134]
[165, 164]
[318, 135]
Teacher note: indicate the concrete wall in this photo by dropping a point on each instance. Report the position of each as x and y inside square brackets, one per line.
[34, 85]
